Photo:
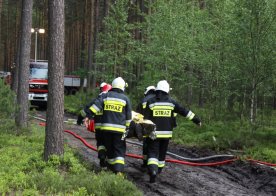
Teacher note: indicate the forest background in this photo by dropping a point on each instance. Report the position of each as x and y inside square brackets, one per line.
[218, 55]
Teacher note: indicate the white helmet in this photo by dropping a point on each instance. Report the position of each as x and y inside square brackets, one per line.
[163, 85]
[102, 84]
[119, 83]
[148, 89]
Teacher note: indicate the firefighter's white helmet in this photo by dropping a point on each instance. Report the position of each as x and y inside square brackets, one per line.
[163, 85]
[119, 83]
[148, 89]
[102, 84]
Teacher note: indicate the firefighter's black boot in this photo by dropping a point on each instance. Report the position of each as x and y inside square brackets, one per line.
[102, 157]
[103, 163]
[152, 176]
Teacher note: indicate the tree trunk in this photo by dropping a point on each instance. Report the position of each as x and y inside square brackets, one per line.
[15, 67]
[95, 40]
[253, 103]
[90, 76]
[55, 110]
[1, 5]
[24, 59]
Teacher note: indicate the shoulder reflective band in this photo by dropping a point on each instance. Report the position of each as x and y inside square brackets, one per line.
[94, 109]
[117, 160]
[163, 134]
[162, 105]
[190, 115]
[153, 161]
[111, 100]
[162, 113]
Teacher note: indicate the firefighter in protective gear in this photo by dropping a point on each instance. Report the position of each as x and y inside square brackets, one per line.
[98, 122]
[161, 109]
[148, 94]
[82, 113]
[116, 119]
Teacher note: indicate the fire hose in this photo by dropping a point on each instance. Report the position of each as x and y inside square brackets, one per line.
[190, 159]
[184, 161]
[167, 160]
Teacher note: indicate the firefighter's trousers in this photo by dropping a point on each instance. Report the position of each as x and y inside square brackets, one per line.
[115, 150]
[100, 144]
[157, 150]
[145, 149]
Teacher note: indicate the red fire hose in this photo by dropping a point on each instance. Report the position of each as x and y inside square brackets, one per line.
[262, 162]
[170, 160]
[167, 160]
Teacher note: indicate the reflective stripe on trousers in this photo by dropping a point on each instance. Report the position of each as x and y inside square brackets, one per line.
[117, 160]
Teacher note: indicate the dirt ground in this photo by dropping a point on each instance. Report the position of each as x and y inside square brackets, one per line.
[238, 178]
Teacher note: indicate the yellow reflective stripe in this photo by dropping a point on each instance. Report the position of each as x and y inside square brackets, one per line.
[174, 114]
[158, 107]
[144, 105]
[163, 136]
[152, 161]
[94, 108]
[128, 123]
[122, 130]
[116, 161]
[114, 102]
[101, 148]
[99, 113]
[82, 112]
[190, 115]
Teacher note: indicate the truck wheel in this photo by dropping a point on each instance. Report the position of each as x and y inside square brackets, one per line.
[73, 91]
[66, 92]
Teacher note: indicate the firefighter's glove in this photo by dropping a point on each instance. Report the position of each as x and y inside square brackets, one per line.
[125, 134]
[152, 135]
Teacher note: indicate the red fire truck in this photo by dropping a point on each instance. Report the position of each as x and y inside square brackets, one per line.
[38, 83]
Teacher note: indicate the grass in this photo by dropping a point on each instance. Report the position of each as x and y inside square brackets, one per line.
[24, 172]
[223, 136]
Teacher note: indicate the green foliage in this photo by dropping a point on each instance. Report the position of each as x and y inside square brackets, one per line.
[74, 103]
[23, 171]
[7, 98]
[118, 50]
[227, 135]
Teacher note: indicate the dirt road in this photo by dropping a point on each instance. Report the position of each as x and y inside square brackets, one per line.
[238, 178]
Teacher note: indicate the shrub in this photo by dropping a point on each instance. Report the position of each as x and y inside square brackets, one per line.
[7, 98]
